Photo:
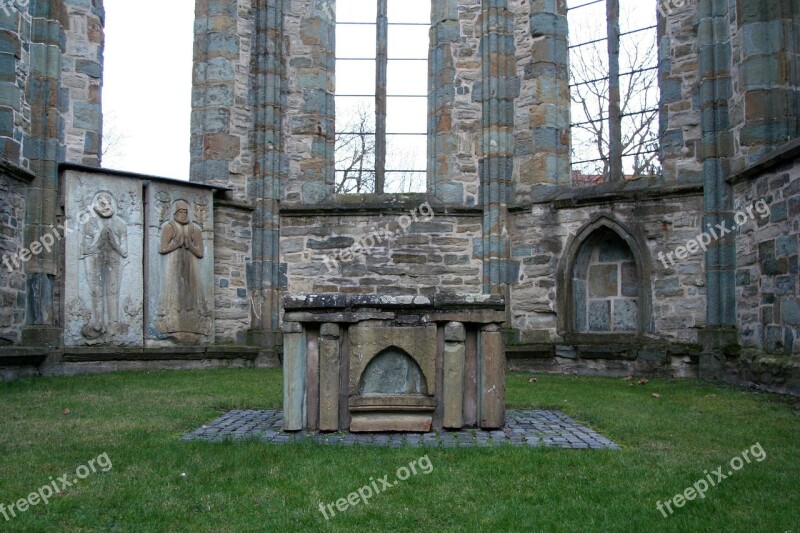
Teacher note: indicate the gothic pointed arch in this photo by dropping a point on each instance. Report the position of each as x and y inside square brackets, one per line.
[604, 281]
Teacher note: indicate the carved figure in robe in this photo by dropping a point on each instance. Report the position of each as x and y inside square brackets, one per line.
[103, 248]
[183, 310]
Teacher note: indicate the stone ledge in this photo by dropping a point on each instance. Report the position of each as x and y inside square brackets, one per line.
[632, 191]
[378, 204]
[17, 172]
[786, 154]
[14, 356]
[307, 302]
[531, 351]
[99, 355]
[62, 167]
[757, 371]
[615, 347]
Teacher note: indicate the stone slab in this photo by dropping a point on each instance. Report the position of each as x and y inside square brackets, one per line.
[180, 266]
[329, 354]
[454, 360]
[492, 379]
[104, 247]
[373, 422]
[294, 381]
[312, 380]
[417, 342]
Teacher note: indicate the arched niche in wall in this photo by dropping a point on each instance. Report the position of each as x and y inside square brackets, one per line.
[393, 371]
[604, 282]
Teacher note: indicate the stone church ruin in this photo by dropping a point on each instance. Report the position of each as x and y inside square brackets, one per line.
[491, 213]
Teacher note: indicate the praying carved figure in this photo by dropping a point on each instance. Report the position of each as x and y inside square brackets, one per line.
[104, 246]
[183, 312]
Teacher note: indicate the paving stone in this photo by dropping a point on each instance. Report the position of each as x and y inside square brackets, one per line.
[523, 428]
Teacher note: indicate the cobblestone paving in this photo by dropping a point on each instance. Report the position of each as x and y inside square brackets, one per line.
[523, 428]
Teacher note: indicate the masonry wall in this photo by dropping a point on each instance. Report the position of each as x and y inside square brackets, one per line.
[767, 275]
[540, 240]
[455, 123]
[435, 254]
[233, 302]
[12, 278]
[309, 31]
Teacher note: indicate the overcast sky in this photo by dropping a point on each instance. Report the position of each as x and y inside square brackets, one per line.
[147, 85]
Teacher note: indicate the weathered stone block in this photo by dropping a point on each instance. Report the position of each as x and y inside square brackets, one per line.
[294, 381]
[600, 315]
[454, 332]
[418, 343]
[626, 315]
[330, 365]
[603, 281]
[453, 385]
[491, 359]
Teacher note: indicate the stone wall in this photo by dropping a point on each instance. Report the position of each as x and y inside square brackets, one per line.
[455, 70]
[542, 110]
[767, 282]
[382, 253]
[233, 302]
[540, 241]
[12, 277]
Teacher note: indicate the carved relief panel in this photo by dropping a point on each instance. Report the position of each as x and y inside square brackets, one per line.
[180, 266]
[104, 235]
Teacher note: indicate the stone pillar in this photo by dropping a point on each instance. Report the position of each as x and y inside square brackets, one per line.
[453, 395]
[441, 138]
[221, 116]
[82, 78]
[266, 276]
[309, 126]
[312, 379]
[549, 75]
[765, 50]
[498, 89]
[680, 112]
[295, 354]
[330, 351]
[716, 150]
[43, 150]
[14, 71]
[491, 361]
[236, 142]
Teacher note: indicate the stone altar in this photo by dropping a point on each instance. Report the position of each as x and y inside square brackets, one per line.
[382, 363]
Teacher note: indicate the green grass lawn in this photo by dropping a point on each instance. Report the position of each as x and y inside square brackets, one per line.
[159, 483]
